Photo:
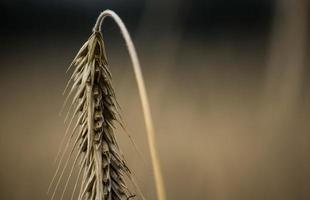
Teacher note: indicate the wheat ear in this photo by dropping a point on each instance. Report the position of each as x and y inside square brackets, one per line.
[160, 189]
[95, 109]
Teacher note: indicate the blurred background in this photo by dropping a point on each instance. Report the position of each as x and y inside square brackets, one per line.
[228, 83]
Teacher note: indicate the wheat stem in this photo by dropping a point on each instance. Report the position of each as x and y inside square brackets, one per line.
[161, 195]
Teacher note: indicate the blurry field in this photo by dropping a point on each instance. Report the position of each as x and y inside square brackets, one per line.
[222, 133]
[212, 140]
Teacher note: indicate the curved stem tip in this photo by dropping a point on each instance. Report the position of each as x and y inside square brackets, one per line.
[160, 189]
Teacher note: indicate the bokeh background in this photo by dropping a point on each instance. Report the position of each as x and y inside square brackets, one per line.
[228, 83]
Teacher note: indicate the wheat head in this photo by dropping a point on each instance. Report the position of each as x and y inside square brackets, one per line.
[95, 109]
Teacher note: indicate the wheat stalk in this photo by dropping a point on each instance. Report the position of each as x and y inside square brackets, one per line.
[159, 183]
[95, 109]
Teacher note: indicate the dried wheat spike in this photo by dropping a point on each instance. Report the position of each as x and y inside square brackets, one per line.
[95, 108]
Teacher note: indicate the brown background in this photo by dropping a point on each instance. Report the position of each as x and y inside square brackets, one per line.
[228, 84]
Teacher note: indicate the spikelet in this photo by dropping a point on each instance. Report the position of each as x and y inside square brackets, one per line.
[94, 109]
